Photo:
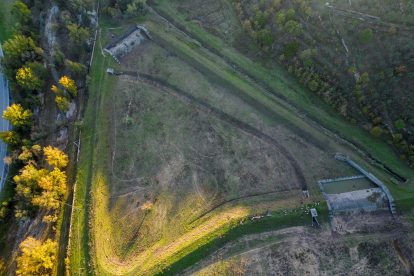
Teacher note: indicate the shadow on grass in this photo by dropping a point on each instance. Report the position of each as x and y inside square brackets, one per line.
[235, 231]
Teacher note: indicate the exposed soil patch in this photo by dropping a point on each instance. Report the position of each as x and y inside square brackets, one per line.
[301, 251]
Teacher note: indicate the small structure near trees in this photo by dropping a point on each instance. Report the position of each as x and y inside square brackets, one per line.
[124, 44]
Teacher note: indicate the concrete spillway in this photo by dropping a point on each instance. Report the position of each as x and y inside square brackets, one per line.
[371, 177]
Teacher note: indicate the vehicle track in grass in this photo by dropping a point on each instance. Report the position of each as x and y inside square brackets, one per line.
[149, 79]
[166, 87]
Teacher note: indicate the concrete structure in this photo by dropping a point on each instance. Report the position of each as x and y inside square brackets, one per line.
[373, 198]
[329, 180]
[370, 176]
[145, 31]
[359, 200]
[123, 45]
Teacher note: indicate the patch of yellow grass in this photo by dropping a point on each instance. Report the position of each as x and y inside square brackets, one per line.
[161, 254]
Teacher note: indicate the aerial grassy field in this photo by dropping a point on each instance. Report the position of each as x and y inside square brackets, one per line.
[180, 148]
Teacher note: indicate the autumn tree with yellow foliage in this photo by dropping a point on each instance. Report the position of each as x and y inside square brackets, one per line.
[55, 157]
[18, 116]
[53, 186]
[63, 95]
[61, 99]
[20, 119]
[41, 187]
[27, 188]
[27, 79]
[36, 258]
[30, 155]
[62, 103]
[2, 266]
[69, 84]
[11, 138]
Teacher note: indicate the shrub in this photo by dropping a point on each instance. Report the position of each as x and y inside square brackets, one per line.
[27, 79]
[313, 85]
[2, 267]
[18, 116]
[290, 49]
[293, 27]
[365, 35]
[280, 18]
[399, 124]
[78, 35]
[264, 38]
[376, 131]
[69, 85]
[62, 103]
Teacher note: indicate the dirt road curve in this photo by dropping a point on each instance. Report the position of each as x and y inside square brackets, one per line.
[4, 125]
[169, 88]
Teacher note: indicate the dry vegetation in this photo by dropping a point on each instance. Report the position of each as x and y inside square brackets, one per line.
[378, 245]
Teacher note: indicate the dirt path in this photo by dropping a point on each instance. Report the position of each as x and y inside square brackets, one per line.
[376, 20]
[403, 258]
[286, 235]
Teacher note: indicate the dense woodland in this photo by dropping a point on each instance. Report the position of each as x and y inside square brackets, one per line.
[359, 58]
[37, 184]
[47, 72]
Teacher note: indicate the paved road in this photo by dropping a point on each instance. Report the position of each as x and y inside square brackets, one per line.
[4, 125]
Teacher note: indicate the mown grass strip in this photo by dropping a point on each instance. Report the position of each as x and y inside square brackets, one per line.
[80, 257]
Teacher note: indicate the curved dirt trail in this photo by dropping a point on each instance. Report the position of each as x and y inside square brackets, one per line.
[209, 109]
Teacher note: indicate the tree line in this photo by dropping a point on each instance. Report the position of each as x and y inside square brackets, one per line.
[38, 173]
